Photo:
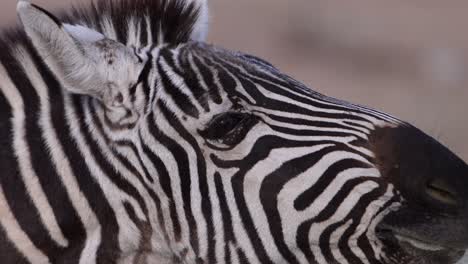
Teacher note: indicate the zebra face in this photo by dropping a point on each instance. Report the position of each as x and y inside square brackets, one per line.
[247, 164]
[336, 182]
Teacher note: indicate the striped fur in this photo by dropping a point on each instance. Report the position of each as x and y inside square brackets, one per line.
[211, 157]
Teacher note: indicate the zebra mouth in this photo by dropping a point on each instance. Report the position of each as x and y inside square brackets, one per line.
[419, 244]
[420, 247]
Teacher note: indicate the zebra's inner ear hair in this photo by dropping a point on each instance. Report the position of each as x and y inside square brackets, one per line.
[83, 59]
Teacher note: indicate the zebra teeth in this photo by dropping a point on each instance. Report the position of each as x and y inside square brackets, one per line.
[419, 244]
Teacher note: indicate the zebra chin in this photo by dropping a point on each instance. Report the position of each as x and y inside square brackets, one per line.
[431, 223]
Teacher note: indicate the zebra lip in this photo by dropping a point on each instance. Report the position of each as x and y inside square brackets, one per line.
[416, 243]
[419, 244]
[419, 248]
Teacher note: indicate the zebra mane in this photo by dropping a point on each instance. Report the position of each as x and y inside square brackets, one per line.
[144, 22]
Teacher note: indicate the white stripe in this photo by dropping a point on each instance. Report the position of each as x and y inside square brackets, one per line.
[340, 121]
[88, 255]
[195, 192]
[342, 211]
[171, 165]
[61, 162]
[108, 28]
[238, 87]
[129, 235]
[376, 244]
[178, 82]
[149, 30]
[240, 233]
[317, 97]
[253, 182]
[234, 257]
[335, 236]
[21, 149]
[114, 196]
[199, 78]
[17, 236]
[297, 127]
[366, 221]
[133, 32]
[215, 74]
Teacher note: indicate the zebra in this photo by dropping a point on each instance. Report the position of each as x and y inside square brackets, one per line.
[127, 138]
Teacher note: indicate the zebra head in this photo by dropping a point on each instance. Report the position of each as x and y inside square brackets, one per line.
[234, 161]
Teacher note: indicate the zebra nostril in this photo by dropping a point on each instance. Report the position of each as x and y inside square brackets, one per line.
[441, 192]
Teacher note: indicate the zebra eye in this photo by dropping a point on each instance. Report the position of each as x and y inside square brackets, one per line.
[229, 128]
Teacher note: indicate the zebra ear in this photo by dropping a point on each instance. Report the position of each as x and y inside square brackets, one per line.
[86, 61]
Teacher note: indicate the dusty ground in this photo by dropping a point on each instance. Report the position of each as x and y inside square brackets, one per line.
[408, 58]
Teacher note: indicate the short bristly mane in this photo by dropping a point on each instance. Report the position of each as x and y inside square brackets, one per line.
[144, 22]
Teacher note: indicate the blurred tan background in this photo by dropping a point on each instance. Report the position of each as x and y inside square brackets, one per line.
[407, 58]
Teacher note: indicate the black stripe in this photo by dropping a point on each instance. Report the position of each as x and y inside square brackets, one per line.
[317, 99]
[312, 123]
[356, 215]
[108, 251]
[12, 185]
[183, 166]
[194, 84]
[363, 240]
[165, 182]
[208, 77]
[310, 132]
[187, 74]
[8, 252]
[41, 158]
[248, 81]
[306, 198]
[181, 100]
[302, 235]
[143, 79]
[229, 84]
[108, 169]
[242, 257]
[202, 180]
[271, 187]
[308, 99]
[263, 146]
[289, 107]
[86, 182]
[228, 228]
[127, 164]
[14, 188]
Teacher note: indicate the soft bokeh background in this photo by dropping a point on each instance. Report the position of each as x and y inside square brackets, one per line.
[407, 58]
